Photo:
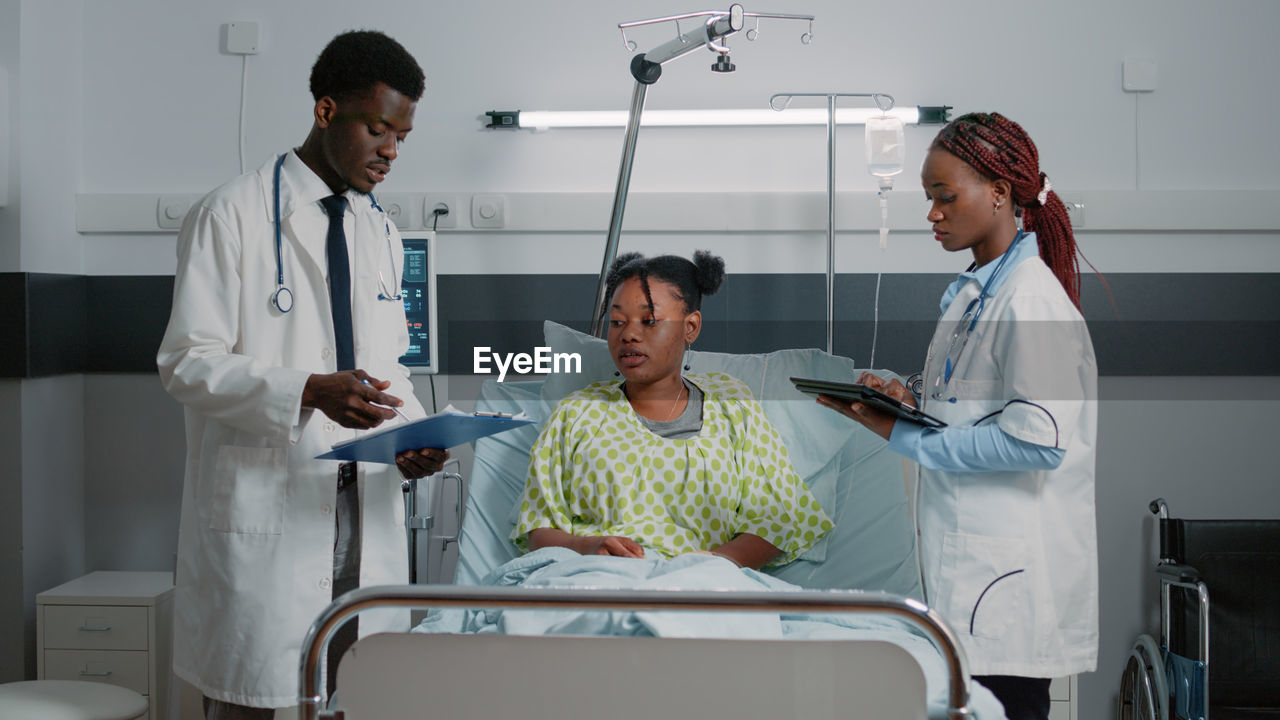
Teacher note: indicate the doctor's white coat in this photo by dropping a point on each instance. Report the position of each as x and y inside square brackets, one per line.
[256, 539]
[1010, 559]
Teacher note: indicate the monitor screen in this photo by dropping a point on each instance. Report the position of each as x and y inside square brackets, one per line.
[418, 285]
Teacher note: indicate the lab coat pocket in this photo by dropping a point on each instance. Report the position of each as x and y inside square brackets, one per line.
[249, 489]
[990, 587]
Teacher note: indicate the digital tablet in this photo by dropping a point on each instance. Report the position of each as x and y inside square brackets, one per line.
[854, 392]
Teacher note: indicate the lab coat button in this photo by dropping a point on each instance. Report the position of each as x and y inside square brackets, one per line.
[326, 353]
[324, 583]
[330, 427]
[325, 510]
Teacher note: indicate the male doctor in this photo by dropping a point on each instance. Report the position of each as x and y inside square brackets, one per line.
[284, 339]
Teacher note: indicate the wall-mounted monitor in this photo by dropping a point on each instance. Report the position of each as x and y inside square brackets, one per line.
[418, 285]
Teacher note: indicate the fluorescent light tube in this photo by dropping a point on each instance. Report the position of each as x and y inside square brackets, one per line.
[542, 120]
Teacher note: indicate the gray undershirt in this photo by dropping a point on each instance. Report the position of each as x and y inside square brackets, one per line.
[687, 425]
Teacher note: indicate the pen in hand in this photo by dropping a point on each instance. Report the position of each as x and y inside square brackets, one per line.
[394, 409]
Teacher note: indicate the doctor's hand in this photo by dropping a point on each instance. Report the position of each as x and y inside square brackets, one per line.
[416, 464]
[878, 422]
[351, 398]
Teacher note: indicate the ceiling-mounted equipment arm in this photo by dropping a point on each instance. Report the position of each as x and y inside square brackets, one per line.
[646, 68]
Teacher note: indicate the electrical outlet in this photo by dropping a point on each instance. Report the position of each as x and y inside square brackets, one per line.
[434, 201]
[171, 210]
[399, 208]
[1075, 210]
[488, 211]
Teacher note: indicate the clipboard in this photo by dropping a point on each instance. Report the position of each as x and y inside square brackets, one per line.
[447, 428]
[854, 392]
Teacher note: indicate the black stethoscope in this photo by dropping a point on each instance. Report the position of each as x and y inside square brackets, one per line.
[282, 298]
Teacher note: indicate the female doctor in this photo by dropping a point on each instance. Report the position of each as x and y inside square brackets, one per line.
[1005, 501]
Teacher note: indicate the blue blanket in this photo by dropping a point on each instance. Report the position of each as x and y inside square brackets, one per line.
[562, 568]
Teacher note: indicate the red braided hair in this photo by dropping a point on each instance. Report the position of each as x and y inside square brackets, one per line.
[998, 148]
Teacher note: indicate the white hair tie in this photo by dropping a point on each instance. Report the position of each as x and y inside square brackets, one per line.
[1043, 196]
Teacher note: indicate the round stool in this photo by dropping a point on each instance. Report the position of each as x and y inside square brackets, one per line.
[69, 700]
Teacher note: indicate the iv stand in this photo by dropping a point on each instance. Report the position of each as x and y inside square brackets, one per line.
[885, 103]
[646, 68]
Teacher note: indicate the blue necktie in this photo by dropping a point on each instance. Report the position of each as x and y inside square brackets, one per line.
[339, 281]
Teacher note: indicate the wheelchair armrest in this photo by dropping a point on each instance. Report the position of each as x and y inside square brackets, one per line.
[1178, 573]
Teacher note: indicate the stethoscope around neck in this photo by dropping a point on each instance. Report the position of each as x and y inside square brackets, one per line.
[964, 328]
[282, 298]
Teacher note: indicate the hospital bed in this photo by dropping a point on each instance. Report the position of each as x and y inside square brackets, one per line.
[867, 564]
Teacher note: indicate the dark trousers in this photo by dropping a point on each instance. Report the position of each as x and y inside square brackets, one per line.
[346, 565]
[1023, 698]
[218, 710]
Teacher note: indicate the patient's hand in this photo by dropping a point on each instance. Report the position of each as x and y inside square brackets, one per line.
[586, 544]
[609, 545]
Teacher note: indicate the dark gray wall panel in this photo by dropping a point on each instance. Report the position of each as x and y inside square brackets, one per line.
[13, 325]
[1147, 324]
[126, 318]
[56, 312]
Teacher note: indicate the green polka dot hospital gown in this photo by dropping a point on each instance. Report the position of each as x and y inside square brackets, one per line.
[597, 470]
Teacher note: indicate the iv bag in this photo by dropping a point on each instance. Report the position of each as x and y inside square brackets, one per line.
[885, 153]
[885, 149]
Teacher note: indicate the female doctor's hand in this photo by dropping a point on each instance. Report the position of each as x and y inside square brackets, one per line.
[878, 422]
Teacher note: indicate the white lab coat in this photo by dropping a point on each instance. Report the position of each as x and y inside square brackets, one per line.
[256, 539]
[1010, 558]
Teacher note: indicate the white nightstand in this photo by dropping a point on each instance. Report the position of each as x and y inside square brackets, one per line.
[113, 627]
[1063, 704]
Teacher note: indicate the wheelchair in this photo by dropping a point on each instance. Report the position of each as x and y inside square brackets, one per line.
[1233, 672]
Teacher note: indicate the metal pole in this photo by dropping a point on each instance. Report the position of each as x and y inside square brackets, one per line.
[410, 488]
[619, 202]
[311, 698]
[831, 222]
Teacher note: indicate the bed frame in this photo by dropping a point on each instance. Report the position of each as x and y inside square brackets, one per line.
[397, 675]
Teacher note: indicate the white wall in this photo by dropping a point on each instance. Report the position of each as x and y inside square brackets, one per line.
[51, 121]
[133, 96]
[156, 125]
[53, 498]
[9, 243]
[12, 641]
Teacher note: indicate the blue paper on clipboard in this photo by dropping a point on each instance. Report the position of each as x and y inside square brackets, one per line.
[446, 429]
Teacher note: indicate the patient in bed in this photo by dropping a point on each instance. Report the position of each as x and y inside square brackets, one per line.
[661, 461]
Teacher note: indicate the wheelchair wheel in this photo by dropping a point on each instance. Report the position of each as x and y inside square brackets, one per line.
[1143, 693]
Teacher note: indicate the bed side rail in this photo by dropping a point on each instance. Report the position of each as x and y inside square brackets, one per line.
[311, 698]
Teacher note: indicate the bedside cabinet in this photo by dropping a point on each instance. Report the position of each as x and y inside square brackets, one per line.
[1063, 704]
[112, 627]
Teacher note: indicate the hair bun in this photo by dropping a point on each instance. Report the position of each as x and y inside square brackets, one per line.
[709, 271]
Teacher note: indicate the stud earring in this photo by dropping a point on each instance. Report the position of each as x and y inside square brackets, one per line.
[997, 208]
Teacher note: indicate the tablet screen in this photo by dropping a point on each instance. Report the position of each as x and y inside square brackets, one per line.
[855, 392]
